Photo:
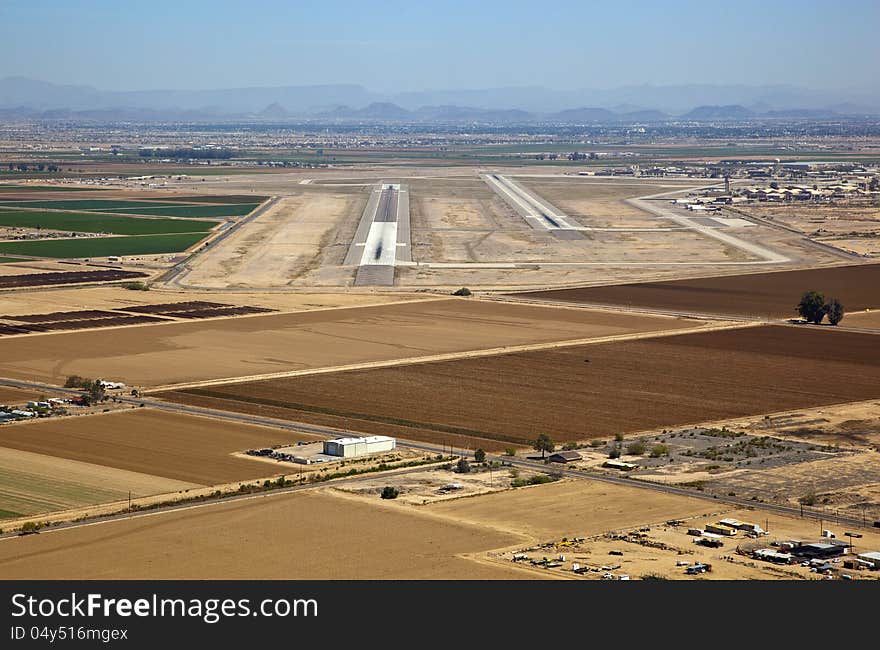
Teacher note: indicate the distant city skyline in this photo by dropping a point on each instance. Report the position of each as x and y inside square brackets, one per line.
[409, 47]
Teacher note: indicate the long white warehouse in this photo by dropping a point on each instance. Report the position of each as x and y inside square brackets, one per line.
[350, 447]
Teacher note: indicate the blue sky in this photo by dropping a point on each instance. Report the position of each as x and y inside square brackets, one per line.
[412, 45]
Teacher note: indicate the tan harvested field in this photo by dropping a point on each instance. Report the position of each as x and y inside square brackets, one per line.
[36, 483]
[174, 446]
[16, 396]
[240, 347]
[575, 393]
[283, 247]
[757, 294]
[31, 302]
[306, 535]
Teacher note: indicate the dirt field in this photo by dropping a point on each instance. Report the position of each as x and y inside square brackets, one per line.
[303, 536]
[762, 294]
[181, 447]
[240, 347]
[291, 240]
[35, 483]
[600, 202]
[579, 392]
[867, 320]
[570, 508]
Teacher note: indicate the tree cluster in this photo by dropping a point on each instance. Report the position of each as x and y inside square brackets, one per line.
[37, 167]
[813, 308]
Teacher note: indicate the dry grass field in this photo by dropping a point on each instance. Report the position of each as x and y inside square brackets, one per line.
[292, 240]
[570, 508]
[162, 354]
[303, 536]
[174, 446]
[575, 393]
[16, 396]
[36, 483]
[600, 202]
[757, 294]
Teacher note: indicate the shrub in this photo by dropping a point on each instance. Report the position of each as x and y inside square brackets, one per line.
[618, 437]
[135, 286]
[464, 291]
[659, 450]
[614, 453]
[462, 466]
[510, 451]
[636, 448]
[390, 492]
[809, 499]
[480, 456]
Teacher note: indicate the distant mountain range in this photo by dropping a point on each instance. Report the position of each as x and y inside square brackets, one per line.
[23, 97]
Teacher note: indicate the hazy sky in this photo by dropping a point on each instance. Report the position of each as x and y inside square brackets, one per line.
[418, 45]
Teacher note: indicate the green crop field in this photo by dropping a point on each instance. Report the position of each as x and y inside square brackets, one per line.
[7, 260]
[26, 493]
[89, 205]
[198, 210]
[87, 222]
[103, 246]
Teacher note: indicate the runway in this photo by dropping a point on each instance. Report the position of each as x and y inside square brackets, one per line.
[382, 237]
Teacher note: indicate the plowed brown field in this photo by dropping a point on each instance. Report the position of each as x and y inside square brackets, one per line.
[759, 294]
[580, 392]
[182, 447]
[241, 347]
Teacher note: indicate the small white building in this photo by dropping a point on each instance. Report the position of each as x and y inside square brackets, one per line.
[350, 447]
[871, 557]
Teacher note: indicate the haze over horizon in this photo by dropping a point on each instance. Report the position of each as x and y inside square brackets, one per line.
[401, 47]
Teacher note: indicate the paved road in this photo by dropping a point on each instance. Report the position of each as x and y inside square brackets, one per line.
[520, 462]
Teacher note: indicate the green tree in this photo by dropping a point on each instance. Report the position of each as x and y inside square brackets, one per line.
[463, 466]
[390, 492]
[480, 456]
[834, 310]
[96, 391]
[812, 307]
[543, 443]
[615, 452]
[74, 381]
